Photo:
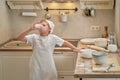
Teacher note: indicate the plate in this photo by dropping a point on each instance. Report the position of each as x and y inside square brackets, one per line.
[88, 40]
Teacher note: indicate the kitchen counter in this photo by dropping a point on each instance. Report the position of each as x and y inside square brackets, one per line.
[30, 49]
[84, 69]
[14, 45]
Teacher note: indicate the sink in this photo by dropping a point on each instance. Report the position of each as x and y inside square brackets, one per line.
[15, 43]
[74, 42]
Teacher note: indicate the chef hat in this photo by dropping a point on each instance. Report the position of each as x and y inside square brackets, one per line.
[51, 25]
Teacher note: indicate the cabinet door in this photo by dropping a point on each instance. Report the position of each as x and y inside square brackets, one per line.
[15, 67]
[117, 20]
[67, 78]
[65, 62]
[99, 78]
[0, 68]
[117, 78]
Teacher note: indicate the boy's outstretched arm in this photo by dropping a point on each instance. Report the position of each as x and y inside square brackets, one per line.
[68, 44]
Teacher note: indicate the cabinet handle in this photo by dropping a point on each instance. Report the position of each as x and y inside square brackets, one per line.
[61, 77]
[58, 53]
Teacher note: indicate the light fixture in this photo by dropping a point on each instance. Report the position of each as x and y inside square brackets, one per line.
[29, 14]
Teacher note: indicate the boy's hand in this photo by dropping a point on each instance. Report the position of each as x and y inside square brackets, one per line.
[32, 27]
[82, 47]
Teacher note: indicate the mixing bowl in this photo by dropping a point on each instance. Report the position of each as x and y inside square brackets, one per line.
[86, 53]
[99, 57]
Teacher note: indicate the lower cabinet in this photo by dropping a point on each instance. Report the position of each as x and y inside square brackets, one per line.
[14, 65]
[101, 79]
[65, 64]
[0, 68]
[67, 78]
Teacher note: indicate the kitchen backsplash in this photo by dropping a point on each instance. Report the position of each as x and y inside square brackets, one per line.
[77, 26]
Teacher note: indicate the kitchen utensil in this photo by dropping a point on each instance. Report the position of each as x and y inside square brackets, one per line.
[87, 12]
[64, 17]
[97, 48]
[101, 42]
[112, 38]
[92, 12]
[105, 33]
[86, 53]
[99, 57]
[112, 59]
[112, 47]
[47, 15]
[110, 66]
[88, 40]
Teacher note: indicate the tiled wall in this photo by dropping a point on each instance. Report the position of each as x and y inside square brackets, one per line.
[5, 29]
[77, 26]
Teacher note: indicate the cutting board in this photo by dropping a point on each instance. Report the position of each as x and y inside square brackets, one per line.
[102, 68]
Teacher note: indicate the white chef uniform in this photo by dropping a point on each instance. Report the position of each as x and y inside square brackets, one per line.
[42, 66]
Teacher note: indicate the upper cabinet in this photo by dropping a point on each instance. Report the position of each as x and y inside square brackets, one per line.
[97, 4]
[117, 21]
[60, 1]
[25, 4]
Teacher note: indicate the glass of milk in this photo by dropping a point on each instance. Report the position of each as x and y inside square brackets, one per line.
[112, 47]
[38, 25]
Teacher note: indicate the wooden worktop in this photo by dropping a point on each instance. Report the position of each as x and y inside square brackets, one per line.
[84, 69]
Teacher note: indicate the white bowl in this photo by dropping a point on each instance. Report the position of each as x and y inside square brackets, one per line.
[88, 40]
[101, 42]
[99, 57]
[86, 53]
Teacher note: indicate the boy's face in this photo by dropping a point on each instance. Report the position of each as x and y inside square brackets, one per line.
[45, 29]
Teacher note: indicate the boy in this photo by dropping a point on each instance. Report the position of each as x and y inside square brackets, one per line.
[42, 66]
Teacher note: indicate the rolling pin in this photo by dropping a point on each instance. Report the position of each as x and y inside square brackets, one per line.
[97, 48]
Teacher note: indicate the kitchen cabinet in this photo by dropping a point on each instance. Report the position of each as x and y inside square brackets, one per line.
[99, 79]
[67, 78]
[0, 68]
[82, 72]
[14, 65]
[65, 64]
[117, 21]
[118, 79]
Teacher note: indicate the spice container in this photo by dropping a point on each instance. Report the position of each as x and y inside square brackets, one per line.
[105, 34]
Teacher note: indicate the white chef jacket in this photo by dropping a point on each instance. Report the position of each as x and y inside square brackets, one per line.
[42, 66]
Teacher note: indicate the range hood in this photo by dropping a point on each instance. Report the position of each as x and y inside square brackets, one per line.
[25, 4]
[59, 1]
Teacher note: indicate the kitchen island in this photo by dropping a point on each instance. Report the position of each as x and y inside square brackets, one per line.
[84, 68]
